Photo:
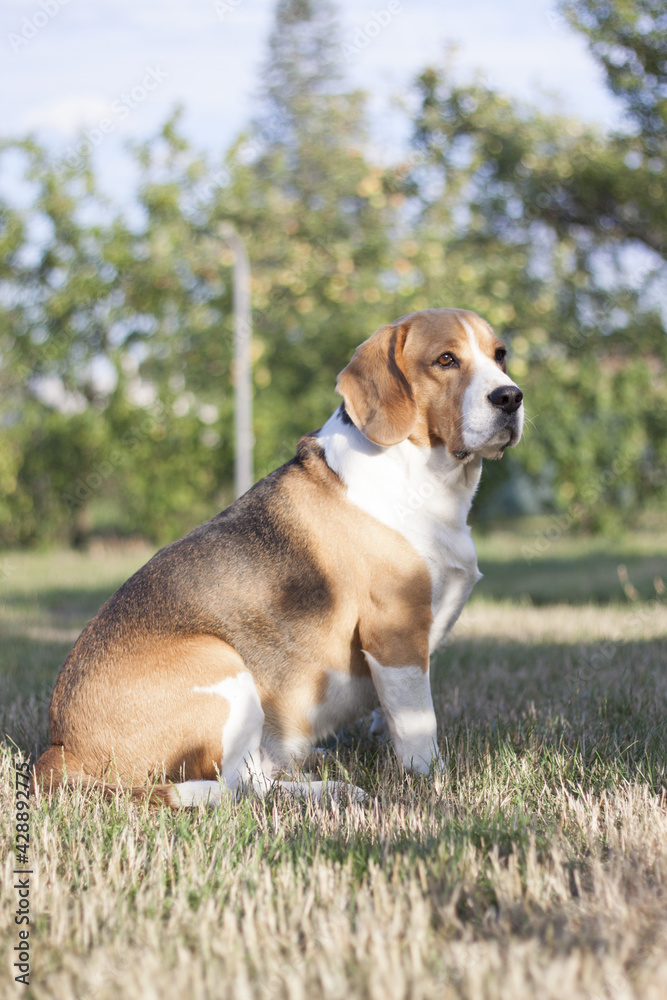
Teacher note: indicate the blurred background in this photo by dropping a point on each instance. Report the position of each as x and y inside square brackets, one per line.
[508, 159]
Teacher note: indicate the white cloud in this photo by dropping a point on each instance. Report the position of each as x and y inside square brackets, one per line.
[66, 115]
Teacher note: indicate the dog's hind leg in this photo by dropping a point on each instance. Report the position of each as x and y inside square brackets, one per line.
[183, 707]
[241, 738]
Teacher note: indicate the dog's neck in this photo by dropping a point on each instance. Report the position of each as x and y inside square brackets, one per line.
[404, 486]
[423, 493]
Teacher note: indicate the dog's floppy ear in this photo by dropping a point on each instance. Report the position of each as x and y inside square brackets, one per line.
[378, 396]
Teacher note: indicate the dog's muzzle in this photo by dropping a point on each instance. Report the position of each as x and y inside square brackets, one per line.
[507, 400]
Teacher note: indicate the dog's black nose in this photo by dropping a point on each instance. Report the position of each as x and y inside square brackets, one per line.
[506, 397]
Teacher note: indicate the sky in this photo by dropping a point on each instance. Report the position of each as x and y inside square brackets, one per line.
[116, 68]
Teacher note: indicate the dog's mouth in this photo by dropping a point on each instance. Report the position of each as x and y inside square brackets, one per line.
[504, 433]
[512, 427]
[505, 437]
[513, 435]
[495, 446]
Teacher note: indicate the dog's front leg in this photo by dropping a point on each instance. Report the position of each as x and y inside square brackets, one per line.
[405, 697]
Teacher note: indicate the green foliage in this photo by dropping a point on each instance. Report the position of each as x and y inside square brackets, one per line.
[629, 38]
[551, 208]
[116, 380]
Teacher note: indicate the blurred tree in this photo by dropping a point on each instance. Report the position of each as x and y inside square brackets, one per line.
[130, 326]
[556, 205]
[57, 306]
[80, 426]
[115, 338]
[176, 355]
[302, 67]
[316, 216]
[629, 39]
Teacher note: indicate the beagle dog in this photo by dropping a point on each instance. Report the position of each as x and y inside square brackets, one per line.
[310, 601]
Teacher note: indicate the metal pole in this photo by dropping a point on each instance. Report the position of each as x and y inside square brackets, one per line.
[243, 436]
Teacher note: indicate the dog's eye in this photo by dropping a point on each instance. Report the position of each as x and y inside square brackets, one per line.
[447, 361]
[501, 354]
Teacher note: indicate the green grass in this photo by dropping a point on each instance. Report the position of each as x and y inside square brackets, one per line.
[45, 600]
[535, 866]
[543, 565]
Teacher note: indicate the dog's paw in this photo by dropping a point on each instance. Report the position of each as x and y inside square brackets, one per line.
[424, 763]
[340, 791]
[320, 791]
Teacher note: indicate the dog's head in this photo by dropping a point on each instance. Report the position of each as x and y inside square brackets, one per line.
[436, 377]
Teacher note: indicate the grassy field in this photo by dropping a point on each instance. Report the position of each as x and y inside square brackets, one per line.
[536, 866]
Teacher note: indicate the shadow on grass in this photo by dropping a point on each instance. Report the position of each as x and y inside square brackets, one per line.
[604, 704]
[519, 724]
[517, 719]
[602, 698]
[37, 632]
[585, 714]
[587, 579]
[68, 602]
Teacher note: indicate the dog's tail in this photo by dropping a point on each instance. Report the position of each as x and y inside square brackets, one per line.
[58, 767]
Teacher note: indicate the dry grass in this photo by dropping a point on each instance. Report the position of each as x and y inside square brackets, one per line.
[535, 867]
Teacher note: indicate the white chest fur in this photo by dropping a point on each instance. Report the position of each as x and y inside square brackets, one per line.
[425, 494]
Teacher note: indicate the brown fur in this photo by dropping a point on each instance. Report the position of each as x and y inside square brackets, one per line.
[377, 393]
[104, 723]
[123, 706]
[393, 389]
[290, 583]
[58, 767]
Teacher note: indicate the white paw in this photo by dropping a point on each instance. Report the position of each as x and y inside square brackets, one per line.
[337, 791]
[341, 791]
[423, 763]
